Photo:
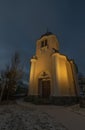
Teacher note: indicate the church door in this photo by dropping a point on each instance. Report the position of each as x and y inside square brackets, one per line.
[44, 88]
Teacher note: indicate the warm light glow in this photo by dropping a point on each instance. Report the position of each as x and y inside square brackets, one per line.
[51, 65]
[62, 73]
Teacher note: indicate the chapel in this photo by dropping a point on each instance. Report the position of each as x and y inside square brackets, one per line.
[52, 74]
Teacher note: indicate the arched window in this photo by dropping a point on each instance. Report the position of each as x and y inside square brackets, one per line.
[44, 43]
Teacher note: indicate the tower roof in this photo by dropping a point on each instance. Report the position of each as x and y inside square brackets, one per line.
[46, 34]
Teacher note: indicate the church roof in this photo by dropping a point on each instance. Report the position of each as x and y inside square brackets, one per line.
[46, 34]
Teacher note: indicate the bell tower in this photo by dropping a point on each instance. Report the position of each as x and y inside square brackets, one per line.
[47, 42]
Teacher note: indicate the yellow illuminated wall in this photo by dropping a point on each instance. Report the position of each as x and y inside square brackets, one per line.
[62, 75]
[60, 70]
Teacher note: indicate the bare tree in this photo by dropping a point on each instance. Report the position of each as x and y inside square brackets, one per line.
[11, 76]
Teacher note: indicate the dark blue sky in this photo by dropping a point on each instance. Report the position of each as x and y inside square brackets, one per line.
[22, 22]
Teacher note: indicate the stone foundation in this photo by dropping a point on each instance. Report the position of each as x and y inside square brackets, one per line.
[82, 102]
[64, 100]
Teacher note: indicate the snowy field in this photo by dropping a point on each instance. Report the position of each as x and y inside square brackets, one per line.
[26, 116]
[15, 117]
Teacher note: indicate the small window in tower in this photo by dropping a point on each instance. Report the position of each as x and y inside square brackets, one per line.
[45, 42]
[42, 44]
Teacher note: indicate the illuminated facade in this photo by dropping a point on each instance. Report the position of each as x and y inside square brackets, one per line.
[51, 73]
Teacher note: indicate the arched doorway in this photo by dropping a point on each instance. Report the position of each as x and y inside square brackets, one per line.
[44, 85]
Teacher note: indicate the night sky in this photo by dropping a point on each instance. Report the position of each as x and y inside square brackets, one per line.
[22, 22]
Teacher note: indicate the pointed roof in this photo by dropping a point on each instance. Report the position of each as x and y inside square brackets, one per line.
[46, 34]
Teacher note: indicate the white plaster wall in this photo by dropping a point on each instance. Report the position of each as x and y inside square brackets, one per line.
[32, 77]
[75, 76]
[58, 67]
[55, 81]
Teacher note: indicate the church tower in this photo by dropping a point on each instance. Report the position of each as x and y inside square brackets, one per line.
[51, 73]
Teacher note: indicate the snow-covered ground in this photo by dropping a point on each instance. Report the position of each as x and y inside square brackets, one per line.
[19, 117]
[77, 109]
[26, 116]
